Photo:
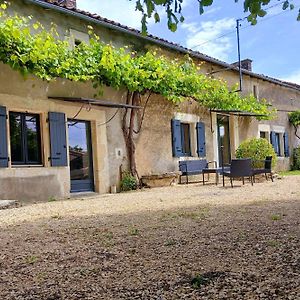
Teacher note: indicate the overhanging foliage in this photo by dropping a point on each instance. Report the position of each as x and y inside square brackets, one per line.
[31, 49]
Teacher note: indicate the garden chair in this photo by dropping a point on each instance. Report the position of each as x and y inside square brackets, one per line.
[267, 169]
[239, 168]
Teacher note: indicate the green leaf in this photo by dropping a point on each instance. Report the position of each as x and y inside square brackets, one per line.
[285, 5]
[156, 18]
[206, 2]
[261, 13]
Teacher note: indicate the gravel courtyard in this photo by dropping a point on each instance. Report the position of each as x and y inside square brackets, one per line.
[179, 242]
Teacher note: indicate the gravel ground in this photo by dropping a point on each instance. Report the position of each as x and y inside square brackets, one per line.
[180, 242]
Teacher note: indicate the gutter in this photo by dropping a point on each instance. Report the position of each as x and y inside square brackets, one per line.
[165, 44]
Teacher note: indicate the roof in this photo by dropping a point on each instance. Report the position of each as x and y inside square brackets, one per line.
[95, 18]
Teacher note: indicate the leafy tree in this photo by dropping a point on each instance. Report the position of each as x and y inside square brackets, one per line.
[174, 10]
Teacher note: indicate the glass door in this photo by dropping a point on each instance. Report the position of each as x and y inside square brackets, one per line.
[80, 156]
[223, 140]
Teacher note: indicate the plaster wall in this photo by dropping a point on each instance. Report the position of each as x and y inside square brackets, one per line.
[31, 95]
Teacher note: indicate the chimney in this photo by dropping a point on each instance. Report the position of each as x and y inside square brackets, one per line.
[72, 4]
[246, 64]
[65, 3]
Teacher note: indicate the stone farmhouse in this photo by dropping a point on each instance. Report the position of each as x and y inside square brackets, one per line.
[45, 153]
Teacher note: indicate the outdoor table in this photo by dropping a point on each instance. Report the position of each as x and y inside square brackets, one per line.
[216, 171]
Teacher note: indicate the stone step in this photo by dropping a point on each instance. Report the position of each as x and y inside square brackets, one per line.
[5, 204]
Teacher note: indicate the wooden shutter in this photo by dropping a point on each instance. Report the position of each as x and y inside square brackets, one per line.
[286, 144]
[273, 139]
[176, 138]
[3, 138]
[201, 144]
[58, 140]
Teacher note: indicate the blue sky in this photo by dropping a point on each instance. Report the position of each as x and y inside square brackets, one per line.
[273, 44]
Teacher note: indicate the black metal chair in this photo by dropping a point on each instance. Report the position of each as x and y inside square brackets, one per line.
[267, 169]
[239, 168]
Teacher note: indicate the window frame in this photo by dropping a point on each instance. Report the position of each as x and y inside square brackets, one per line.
[24, 139]
[185, 143]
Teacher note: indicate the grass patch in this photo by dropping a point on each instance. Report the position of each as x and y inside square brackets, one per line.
[290, 173]
[31, 259]
[273, 243]
[276, 217]
[196, 215]
[170, 242]
[133, 231]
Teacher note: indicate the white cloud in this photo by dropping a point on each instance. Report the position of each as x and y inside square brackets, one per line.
[122, 11]
[293, 77]
[205, 37]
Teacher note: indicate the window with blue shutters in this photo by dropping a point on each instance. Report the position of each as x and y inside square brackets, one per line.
[3, 138]
[58, 140]
[188, 139]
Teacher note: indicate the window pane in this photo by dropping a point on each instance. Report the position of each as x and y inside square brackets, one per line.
[277, 144]
[263, 135]
[33, 138]
[185, 138]
[79, 150]
[16, 138]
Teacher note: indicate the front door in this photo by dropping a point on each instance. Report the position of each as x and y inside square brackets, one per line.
[80, 156]
[223, 139]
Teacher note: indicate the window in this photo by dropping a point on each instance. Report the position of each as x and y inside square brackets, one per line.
[188, 138]
[77, 42]
[276, 140]
[255, 91]
[185, 139]
[263, 135]
[25, 140]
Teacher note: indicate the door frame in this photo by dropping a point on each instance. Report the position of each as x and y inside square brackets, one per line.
[83, 185]
[218, 139]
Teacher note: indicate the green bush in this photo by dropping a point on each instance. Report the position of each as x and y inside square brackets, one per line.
[128, 182]
[296, 159]
[257, 149]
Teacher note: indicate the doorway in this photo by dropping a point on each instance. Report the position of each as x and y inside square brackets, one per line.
[80, 156]
[223, 139]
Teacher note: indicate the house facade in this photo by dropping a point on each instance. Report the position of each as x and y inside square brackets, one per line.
[53, 142]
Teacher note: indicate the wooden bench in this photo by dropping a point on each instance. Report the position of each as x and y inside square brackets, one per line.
[193, 167]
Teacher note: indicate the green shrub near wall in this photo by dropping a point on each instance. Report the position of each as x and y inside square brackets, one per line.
[257, 149]
[128, 182]
[296, 159]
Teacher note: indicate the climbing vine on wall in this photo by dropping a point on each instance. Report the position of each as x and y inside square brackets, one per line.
[29, 48]
[294, 118]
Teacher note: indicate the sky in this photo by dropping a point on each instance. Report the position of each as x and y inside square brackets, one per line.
[273, 44]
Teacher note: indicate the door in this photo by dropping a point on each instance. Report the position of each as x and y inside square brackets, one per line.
[80, 156]
[223, 139]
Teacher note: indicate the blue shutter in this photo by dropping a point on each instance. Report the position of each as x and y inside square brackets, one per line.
[273, 139]
[286, 144]
[3, 138]
[201, 144]
[58, 140]
[176, 138]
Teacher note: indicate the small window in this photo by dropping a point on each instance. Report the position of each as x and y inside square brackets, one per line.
[263, 135]
[185, 139]
[255, 91]
[25, 139]
[77, 42]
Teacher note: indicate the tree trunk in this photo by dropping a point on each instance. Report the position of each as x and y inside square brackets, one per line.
[128, 123]
[131, 125]
[296, 131]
